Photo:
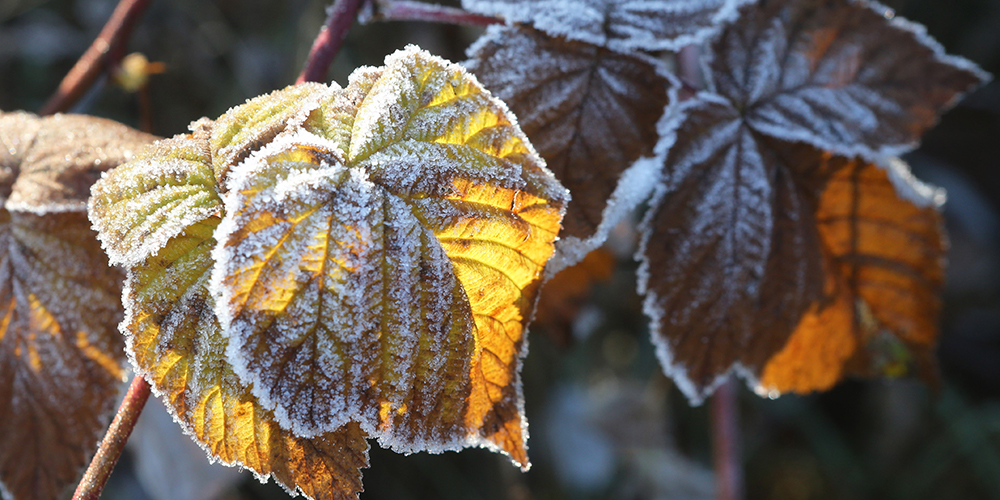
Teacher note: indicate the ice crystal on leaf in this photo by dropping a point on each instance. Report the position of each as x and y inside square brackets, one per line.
[621, 25]
[60, 356]
[325, 264]
[754, 237]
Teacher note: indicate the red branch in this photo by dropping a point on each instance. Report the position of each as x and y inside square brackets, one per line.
[113, 444]
[405, 10]
[726, 445]
[331, 36]
[106, 51]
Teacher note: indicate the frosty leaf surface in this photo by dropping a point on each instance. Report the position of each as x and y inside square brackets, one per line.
[837, 74]
[60, 356]
[141, 205]
[730, 257]
[174, 340]
[58, 158]
[339, 297]
[590, 112]
[740, 221]
[408, 267]
[248, 127]
[377, 256]
[622, 25]
[884, 257]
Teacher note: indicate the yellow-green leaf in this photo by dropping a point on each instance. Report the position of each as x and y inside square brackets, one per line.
[176, 343]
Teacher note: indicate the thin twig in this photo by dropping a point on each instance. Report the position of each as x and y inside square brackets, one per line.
[106, 51]
[726, 443]
[331, 36]
[406, 10]
[113, 444]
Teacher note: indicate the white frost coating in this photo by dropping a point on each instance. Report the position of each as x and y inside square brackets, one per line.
[297, 192]
[909, 187]
[621, 25]
[174, 208]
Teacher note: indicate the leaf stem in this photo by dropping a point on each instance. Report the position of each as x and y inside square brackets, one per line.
[107, 50]
[113, 444]
[339, 18]
[407, 10]
[726, 443]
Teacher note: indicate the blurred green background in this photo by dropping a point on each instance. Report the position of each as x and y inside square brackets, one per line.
[604, 421]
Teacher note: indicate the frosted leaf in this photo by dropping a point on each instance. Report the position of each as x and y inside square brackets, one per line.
[729, 254]
[784, 262]
[378, 256]
[838, 75]
[622, 25]
[138, 207]
[591, 113]
[60, 356]
[884, 261]
[56, 159]
[336, 298]
[173, 339]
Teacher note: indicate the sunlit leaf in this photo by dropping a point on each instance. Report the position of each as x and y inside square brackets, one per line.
[846, 76]
[590, 112]
[142, 204]
[623, 25]
[176, 343]
[379, 250]
[60, 353]
[884, 254]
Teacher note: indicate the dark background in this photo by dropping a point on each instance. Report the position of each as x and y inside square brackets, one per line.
[605, 422]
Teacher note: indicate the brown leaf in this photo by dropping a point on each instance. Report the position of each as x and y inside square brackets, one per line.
[60, 352]
[837, 74]
[740, 248]
[63, 157]
[730, 258]
[590, 112]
